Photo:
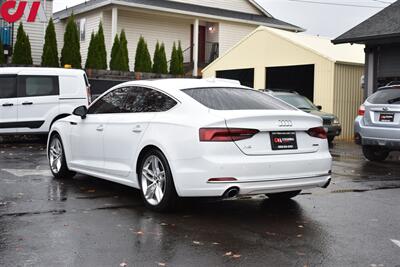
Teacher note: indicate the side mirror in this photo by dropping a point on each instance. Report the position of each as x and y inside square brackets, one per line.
[319, 107]
[81, 112]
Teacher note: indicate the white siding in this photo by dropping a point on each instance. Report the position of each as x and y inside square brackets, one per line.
[161, 28]
[92, 25]
[36, 32]
[236, 5]
[231, 33]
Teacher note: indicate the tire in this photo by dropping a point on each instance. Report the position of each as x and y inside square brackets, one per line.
[57, 162]
[283, 195]
[154, 171]
[375, 153]
[330, 140]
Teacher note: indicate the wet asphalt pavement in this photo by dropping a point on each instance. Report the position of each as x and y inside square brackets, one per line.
[90, 222]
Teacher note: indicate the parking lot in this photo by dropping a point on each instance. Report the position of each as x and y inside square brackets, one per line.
[90, 222]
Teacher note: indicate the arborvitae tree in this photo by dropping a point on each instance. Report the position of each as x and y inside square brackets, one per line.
[115, 54]
[2, 59]
[22, 49]
[156, 59]
[142, 58]
[124, 51]
[163, 60]
[50, 50]
[181, 69]
[71, 52]
[174, 68]
[101, 52]
[90, 60]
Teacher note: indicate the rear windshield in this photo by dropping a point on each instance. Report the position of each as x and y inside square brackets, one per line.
[386, 96]
[235, 99]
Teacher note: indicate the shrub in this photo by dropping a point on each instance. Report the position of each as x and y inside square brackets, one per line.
[160, 60]
[174, 68]
[71, 52]
[2, 59]
[114, 62]
[181, 69]
[142, 58]
[124, 52]
[90, 60]
[50, 50]
[22, 49]
[101, 52]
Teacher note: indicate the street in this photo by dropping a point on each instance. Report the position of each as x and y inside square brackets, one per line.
[91, 222]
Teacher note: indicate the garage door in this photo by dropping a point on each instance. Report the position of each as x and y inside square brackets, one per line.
[298, 78]
[245, 76]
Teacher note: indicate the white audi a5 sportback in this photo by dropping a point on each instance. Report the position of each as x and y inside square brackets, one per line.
[192, 138]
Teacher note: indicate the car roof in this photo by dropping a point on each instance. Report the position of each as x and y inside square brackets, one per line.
[39, 71]
[170, 85]
[389, 87]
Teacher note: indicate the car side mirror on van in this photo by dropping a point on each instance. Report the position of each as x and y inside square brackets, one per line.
[319, 107]
[81, 112]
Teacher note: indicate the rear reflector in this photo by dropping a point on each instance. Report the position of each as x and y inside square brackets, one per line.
[318, 132]
[222, 179]
[361, 110]
[225, 134]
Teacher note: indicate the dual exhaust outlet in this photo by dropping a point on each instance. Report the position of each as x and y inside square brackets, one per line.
[231, 193]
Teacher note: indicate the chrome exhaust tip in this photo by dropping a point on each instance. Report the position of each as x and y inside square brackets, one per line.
[231, 192]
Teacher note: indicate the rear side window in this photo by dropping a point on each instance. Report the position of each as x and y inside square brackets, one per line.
[236, 99]
[141, 99]
[8, 86]
[30, 86]
[386, 96]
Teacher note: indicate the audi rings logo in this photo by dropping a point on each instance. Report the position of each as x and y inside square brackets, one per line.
[285, 123]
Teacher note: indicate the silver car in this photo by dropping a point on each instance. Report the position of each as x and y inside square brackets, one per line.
[377, 128]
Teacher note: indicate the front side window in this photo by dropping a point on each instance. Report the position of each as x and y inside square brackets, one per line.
[110, 103]
[386, 96]
[221, 98]
[31, 86]
[297, 101]
[8, 87]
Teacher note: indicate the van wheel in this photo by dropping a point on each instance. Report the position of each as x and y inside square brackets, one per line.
[283, 195]
[57, 162]
[156, 183]
[375, 153]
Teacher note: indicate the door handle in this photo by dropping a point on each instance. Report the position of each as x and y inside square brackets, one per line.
[137, 129]
[73, 123]
[27, 103]
[8, 105]
[100, 128]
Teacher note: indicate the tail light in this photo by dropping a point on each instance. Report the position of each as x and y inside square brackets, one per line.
[318, 132]
[225, 134]
[361, 110]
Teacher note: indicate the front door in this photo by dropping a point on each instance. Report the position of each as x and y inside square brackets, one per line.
[8, 104]
[202, 44]
[38, 100]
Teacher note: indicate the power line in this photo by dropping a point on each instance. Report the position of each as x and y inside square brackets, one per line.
[337, 4]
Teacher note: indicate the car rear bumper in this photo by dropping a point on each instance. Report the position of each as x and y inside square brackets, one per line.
[376, 136]
[253, 174]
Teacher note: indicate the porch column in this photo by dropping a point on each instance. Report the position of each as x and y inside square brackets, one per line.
[196, 47]
[114, 24]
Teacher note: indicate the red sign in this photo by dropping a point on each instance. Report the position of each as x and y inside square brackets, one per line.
[12, 13]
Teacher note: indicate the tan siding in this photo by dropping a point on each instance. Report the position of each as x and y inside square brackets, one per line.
[231, 33]
[36, 32]
[236, 5]
[348, 96]
[164, 29]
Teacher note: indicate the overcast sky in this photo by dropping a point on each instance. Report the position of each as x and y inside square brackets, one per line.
[328, 18]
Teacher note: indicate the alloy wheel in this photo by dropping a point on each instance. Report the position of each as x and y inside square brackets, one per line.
[55, 155]
[153, 180]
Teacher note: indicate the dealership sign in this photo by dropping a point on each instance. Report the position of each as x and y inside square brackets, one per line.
[11, 11]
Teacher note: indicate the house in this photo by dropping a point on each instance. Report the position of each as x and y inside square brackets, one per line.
[36, 30]
[206, 28]
[381, 36]
[275, 59]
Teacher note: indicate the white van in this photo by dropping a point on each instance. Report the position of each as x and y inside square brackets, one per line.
[32, 99]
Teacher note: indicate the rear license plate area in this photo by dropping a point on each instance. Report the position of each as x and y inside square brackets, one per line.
[283, 140]
[386, 117]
